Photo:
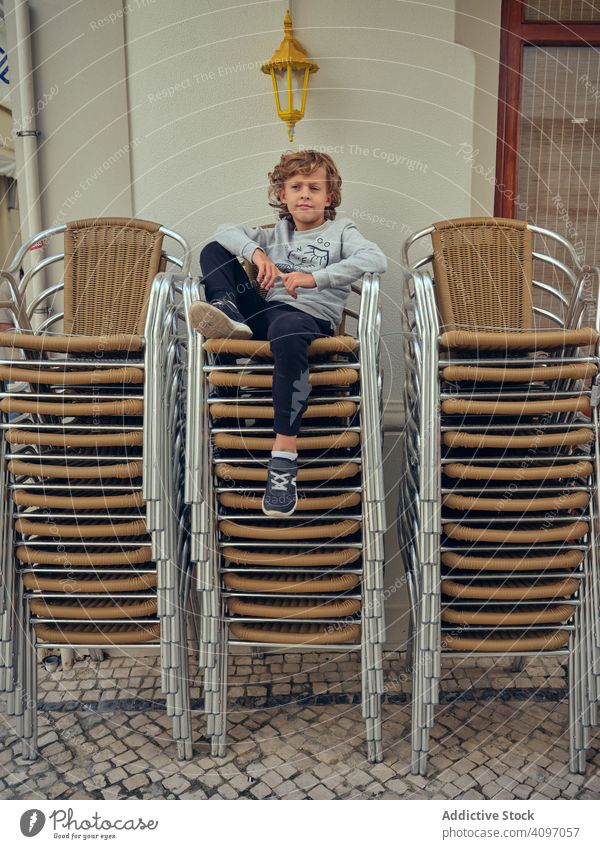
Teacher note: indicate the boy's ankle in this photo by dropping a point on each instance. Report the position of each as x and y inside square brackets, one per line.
[286, 455]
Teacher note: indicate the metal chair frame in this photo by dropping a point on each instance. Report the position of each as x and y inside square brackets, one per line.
[420, 518]
[201, 490]
[161, 455]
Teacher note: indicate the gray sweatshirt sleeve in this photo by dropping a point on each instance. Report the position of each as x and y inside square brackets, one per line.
[359, 256]
[243, 241]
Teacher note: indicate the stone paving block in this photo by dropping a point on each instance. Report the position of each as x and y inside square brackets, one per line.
[282, 790]
[491, 789]
[137, 766]
[358, 778]
[272, 779]
[334, 780]
[124, 757]
[522, 791]
[465, 782]
[226, 791]
[115, 775]
[53, 749]
[295, 795]
[397, 786]
[135, 782]
[305, 781]
[58, 790]
[482, 775]
[320, 792]
[95, 783]
[260, 791]
[177, 784]
[47, 738]
[286, 770]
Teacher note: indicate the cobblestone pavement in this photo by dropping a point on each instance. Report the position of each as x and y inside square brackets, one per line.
[296, 732]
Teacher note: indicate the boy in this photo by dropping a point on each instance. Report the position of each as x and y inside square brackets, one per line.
[306, 264]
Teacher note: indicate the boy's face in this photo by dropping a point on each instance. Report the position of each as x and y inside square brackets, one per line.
[306, 197]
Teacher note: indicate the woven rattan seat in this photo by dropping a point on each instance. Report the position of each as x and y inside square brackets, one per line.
[334, 410]
[349, 439]
[92, 634]
[66, 344]
[322, 503]
[26, 554]
[463, 406]
[527, 615]
[76, 377]
[290, 583]
[336, 377]
[562, 560]
[480, 374]
[537, 340]
[294, 609]
[128, 407]
[286, 558]
[513, 590]
[567, 531]
[73, 440]
[48, 470]
[332, 530]
[508, 642]
[483, 272]
[308, 473]
[75, 502]
[254, 348]
[581, 469]
[81, 531]
[106, 584]
[458, 439]
[299, 634]
[562, 501]
[110, 264]
[93, 608]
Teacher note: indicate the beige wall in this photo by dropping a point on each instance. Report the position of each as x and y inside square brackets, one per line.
[478, 28]
[161, 112]
[393, 101]
[81, 104]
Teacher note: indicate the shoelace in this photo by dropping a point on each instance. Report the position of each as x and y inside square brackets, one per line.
[224, 302]
[279, 481]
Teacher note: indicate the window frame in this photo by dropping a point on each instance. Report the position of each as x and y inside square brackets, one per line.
[515, 34]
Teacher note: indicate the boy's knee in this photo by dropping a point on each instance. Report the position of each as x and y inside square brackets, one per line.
[287, 343]
[212, 250]
[289, 331]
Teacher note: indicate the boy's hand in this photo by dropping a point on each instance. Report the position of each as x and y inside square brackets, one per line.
[267, 270]
[297, 280]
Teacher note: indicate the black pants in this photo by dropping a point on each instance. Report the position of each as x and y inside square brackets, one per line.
[289, 330]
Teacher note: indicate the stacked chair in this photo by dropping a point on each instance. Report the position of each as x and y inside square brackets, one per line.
[315, 579]
[498, 505]
[94, 554]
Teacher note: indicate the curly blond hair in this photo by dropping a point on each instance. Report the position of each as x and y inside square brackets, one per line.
[304, 162]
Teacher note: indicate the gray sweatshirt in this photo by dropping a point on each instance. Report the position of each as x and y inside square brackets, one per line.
[336, 254]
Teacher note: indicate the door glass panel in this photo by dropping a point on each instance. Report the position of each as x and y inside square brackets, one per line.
[559, 145]
[561, 10]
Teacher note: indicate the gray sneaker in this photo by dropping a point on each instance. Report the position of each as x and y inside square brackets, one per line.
[280, 498]
[220, 319]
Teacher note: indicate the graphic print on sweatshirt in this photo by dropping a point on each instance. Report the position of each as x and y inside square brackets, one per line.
[306, 257]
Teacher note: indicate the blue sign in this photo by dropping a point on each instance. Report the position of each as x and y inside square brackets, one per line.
[4, 66]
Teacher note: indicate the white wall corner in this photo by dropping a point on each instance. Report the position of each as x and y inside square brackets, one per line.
[393, 416]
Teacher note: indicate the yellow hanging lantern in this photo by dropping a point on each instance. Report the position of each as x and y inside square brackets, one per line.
[290, 68]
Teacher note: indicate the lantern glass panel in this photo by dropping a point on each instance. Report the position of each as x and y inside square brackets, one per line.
[282, 88]
[298, 76]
